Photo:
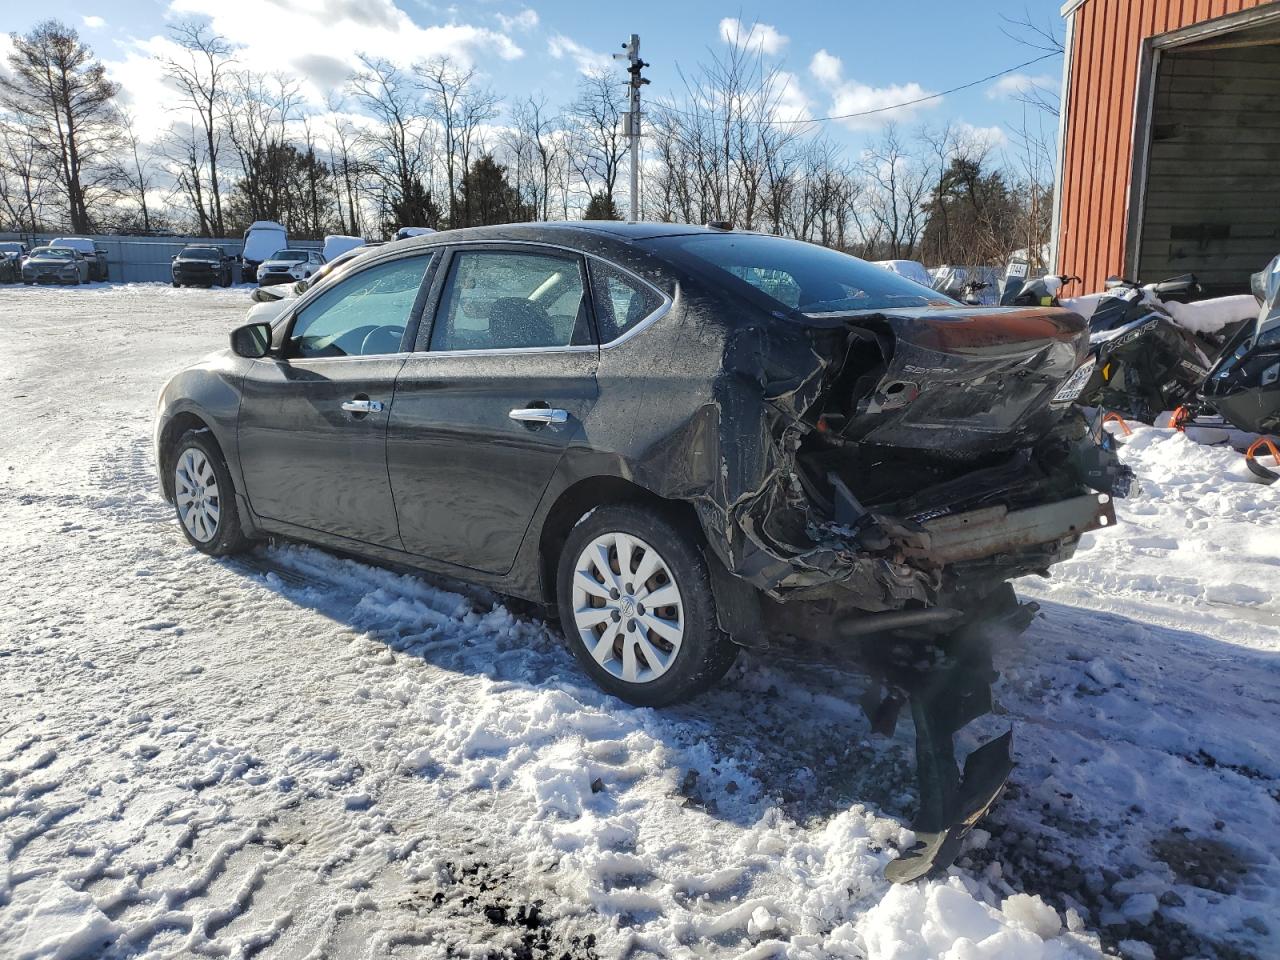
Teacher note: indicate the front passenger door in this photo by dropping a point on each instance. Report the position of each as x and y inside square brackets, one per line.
[313, 417]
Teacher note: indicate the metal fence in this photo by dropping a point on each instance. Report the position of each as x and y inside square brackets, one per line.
[147, 259]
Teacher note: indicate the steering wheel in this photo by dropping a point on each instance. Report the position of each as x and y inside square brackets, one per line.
[382, 340]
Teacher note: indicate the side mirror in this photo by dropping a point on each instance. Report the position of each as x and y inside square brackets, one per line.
[253, 340]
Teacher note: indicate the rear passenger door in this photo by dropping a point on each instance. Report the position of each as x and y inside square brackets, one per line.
[497, 389]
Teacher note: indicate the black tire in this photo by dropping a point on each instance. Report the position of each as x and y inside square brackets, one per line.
[176, 283]
[706, 652]
[229, 537]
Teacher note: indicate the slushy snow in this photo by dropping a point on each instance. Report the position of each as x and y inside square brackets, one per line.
[299, 755]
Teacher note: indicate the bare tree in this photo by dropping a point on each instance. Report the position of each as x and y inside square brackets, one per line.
[183, 153]
[349, 168]
[898, 183]
[136, 170]
[460, 109]
[201, 73]
[24, 176]
[1033, 146]
[260, 110]
[537, 145]
[56, 87]
[399, 142]
[1046, 38]
[597, 144]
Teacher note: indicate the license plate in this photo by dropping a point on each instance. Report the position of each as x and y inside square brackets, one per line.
[1076, 383]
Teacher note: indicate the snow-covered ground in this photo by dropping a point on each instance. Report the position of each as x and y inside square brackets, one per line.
[299, 755]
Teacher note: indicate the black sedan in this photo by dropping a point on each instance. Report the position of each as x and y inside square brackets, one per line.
[202, 266]
[681, 439]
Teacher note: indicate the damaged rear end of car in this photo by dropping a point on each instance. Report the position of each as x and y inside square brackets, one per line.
[886, 462]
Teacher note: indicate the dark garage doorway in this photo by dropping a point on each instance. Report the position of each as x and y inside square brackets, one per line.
[1209, 191]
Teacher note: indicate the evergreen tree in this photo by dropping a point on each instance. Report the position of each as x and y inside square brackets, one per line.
[488, 197]
[601, 207]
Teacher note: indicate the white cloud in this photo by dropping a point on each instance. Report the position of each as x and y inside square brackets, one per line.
[323, 39]
[760, 37]
[993, 138]
[1016, 84]
[94, 23]
[825, 68]
[879, 104]
[791, 101]
[526, 19]
[586, 59]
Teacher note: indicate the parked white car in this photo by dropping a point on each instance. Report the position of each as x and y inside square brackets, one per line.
[261, 240]
[286, 266]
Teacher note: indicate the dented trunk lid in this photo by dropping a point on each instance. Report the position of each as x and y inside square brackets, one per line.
[962, 382]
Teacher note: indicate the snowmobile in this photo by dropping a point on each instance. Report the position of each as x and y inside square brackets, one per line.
[1150, 347]
[1244, 385]
[1142, 362]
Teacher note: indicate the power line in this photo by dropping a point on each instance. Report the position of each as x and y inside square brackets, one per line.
[884, 109]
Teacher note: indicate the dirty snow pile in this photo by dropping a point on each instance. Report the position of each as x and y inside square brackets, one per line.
[302, 756]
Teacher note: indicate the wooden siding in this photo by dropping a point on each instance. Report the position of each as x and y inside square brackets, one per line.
[1213, 178]
[1097, 153]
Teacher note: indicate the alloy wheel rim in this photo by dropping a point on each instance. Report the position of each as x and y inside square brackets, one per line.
[195, 490]
[627, 607]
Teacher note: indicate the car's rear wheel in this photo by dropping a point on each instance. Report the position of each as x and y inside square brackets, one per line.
[637, 608]
[204, 498]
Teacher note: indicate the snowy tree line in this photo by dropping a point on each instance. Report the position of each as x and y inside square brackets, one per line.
[430, 144]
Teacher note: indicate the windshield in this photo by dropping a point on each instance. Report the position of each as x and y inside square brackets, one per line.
[10, 248]
[201, 253]
[803, 276]
[289, 255]
[54, 253]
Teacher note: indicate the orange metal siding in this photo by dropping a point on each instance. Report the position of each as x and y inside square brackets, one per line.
[1097, 150]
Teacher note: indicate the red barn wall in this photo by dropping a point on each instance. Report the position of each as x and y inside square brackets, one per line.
[1106, 42]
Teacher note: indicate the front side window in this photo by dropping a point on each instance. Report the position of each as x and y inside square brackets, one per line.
[495, 300]
[621, 301]
[362, 314]
[801, 276]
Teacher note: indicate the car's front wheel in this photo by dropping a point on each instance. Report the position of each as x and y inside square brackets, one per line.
[637, 609]
[204, 497]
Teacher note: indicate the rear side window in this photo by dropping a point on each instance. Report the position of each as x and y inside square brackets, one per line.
[621, 301]
[496, 300]
[802, 276]
[361, 315]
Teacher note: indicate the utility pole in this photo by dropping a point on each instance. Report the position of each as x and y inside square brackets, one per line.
[632, 122]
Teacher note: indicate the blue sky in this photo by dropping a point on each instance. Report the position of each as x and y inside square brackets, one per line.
[840, 57]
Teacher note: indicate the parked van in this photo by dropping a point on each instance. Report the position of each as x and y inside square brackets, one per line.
[261, 240]
[96, 255]
[335, 245]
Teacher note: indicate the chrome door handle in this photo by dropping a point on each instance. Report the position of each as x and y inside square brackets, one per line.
[362, 406]
[539, 415]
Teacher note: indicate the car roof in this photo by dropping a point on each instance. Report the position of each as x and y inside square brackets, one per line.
[559, 231]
